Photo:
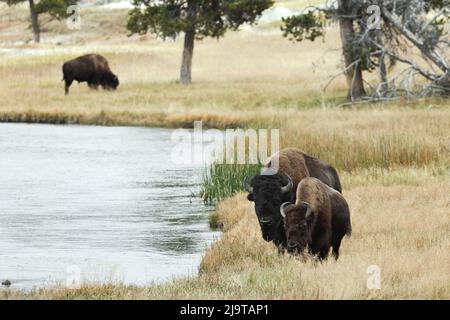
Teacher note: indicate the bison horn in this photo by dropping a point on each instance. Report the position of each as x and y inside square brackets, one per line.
[308, 209]
[289, 186]
[247, 186]
[283, 214]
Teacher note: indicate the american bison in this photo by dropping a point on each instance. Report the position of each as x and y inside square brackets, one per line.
[268, 191]
[318, 220]
[91, 68]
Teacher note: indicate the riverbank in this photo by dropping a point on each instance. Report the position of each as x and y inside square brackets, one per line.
[403, 229]
[395, 170]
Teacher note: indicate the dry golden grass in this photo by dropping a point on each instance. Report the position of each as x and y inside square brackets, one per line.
[230, 88]
[248, 76]
[402, 229]
[272, 72]
[249, 71]
[380, 138]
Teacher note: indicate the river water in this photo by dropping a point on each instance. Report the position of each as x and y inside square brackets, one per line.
[97, 204]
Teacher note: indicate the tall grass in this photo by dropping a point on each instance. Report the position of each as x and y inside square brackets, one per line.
[353, 142]
[385, 150]
[222, 180]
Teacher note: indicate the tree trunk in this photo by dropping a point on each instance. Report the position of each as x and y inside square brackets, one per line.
[35, 23]
[353, 70]
[189, 38]
[186, 63]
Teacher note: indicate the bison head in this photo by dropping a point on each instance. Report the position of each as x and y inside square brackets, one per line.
[268, 192]
[298, 222]
[111, 82]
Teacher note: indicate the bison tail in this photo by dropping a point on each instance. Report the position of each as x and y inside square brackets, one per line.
[348, 233]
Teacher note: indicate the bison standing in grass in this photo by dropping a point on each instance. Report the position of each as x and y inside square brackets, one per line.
[269, 189]
[318, 220]
[91, 68]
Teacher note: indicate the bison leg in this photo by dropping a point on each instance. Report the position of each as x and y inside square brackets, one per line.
[336, 246]
[323, 253]
[320, 252]
[281, 249]
[67, 86]
[321, 246]
[93, 85]
[336, 251]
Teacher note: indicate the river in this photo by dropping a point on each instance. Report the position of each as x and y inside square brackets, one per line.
[97, 204]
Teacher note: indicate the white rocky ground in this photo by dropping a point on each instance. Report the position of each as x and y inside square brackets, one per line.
[15, 29]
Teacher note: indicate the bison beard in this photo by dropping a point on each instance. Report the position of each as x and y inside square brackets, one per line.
[270, 193]
[93, 69]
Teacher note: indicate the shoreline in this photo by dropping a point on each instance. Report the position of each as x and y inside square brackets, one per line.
[223, 118]
[240, 265]
[381, 191]
[124, 119]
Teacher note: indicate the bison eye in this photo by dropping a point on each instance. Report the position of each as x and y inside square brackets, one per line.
[301, 224]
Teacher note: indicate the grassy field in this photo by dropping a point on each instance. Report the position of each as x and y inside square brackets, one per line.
[230, 88]
[393, 158]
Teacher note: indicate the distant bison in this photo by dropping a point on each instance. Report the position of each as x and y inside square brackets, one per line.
[269, 190]
[318, 220]
[91, 68]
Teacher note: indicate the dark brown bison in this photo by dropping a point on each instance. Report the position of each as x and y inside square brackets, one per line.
[91, 68]
[269, 190]
[318, 220]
